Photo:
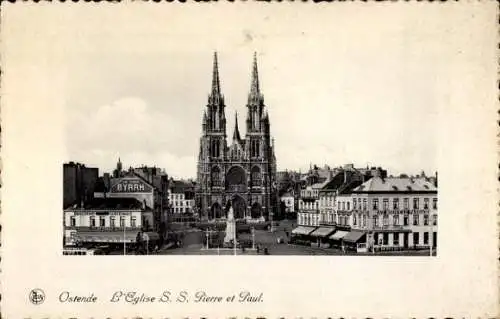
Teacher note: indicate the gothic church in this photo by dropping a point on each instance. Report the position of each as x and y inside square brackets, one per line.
[244, 173]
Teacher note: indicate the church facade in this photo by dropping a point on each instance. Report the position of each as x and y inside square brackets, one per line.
[243, 172]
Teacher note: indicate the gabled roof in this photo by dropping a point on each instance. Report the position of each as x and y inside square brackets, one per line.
[396, 184]
[334, 183]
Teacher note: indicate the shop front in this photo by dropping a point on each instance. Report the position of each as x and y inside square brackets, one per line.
[321, 234]
[336, 238]
[355, 240]
[301, 235]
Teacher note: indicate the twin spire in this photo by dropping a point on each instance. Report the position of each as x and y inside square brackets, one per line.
[216, 97]
[254, 88]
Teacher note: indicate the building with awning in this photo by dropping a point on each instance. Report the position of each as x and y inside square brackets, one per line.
[353, 238]
[397, 213]
[303, 230]
[106, 237]
[321, 234]
[106, 220]
[339, 234]
[336, 238]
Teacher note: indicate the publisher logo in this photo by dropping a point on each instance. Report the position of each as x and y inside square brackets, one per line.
[37, 296]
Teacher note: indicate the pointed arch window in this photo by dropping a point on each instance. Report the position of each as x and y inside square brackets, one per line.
[216, 176]
[256, 176]
[214, 148]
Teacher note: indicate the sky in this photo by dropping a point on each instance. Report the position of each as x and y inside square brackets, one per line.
[337, 91]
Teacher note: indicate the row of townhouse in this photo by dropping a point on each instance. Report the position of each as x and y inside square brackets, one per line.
[377, 212]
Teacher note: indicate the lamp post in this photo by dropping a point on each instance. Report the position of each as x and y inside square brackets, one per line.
[207, 238]
[253, 238]
[124, 239]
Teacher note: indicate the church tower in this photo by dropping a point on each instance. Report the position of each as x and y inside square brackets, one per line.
[243, 173]
[258, 140]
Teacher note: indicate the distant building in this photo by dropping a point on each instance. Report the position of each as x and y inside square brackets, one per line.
[308, 214]
[107, 221]
[181, 196]
[146, 184]
[396, 212]
[289, 200]
[334, 196]
[78, 183]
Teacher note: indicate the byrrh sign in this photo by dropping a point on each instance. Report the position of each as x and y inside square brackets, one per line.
[131, 186]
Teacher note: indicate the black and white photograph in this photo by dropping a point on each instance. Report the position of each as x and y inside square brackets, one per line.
[243, 194]
[249, 159]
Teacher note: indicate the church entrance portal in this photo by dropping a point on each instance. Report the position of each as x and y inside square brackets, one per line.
[239, 207]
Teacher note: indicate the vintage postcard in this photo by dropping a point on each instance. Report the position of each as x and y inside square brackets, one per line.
[169, 160]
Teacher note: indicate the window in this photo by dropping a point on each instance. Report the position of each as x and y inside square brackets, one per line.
[92, 221]
[386, 238]
[395, 203]
[415, 219]
[364, 203]
[354, 219]
[386, 203]
[415, 203]
[133, 222]
[406, 203]
[375, 221]
[415, 239]
[434, 203]
[426, 220]
[112, 221]
[122, 221]
[395, 239]
[395, 219]
[375, 203]
[73, 221]
[426, 238]
[364, 220]
[405, 220]
[385, 220]
[102, 222]
[354, 201]
[426, 203]
[434, 219]
[348, 204]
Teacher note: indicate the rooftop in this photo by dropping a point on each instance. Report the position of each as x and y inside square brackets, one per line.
[397, 184]
[113, 203]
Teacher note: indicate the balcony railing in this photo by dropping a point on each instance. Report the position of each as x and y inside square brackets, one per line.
[388, 227]
[102, 228]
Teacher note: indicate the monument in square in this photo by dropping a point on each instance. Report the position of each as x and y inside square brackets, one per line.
[230, 238]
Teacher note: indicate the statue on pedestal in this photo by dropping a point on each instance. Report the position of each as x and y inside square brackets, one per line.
[230, 238]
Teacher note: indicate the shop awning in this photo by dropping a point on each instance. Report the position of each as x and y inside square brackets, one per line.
[323, 231]
[106, 237]
[303, 230]
[353, 236]
[339, 234]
